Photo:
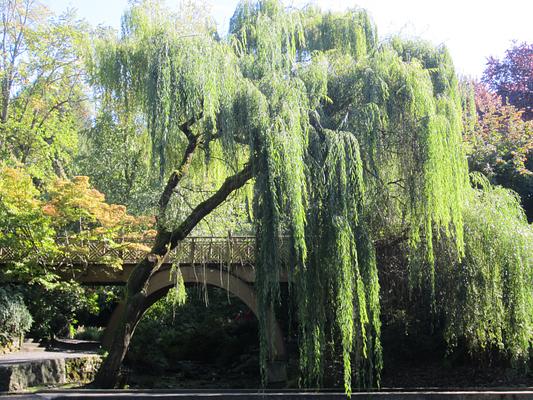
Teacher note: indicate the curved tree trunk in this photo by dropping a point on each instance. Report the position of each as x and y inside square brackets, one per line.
[107, 376]
[139, 280]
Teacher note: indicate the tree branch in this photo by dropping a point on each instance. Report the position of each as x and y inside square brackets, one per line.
[178, 174]
[231, 184]
[166, 241]
[314, 121]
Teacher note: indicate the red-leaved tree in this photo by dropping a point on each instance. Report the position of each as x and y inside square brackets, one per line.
[512, 77]
[499, 142]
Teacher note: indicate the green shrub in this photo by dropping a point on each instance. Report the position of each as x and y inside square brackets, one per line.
[15, 319]
[88, 333]
[55, 309]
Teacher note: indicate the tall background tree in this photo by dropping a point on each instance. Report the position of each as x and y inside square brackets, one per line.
[44, 106]
[43, 96]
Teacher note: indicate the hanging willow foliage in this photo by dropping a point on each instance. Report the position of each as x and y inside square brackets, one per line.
[489, 300]
[350, 141]
[336, 275]
[341, 271]
[171, 72]
[403, 106]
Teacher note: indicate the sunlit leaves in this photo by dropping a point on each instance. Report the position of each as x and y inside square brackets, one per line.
[489, 302]
[43, 101]
[42, 235]
[24, 228]
[499, 141]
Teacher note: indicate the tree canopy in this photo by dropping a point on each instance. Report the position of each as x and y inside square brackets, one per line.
[348, 140]
[499, 141]
[43, 98]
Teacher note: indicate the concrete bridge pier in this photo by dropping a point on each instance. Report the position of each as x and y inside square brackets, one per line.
[239, 284]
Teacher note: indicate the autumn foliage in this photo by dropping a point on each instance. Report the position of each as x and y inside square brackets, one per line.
[499, 141]
[77, 201]
[34, 225]
[502, 138]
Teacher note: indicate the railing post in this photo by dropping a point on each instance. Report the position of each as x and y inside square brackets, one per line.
[192, 249]
[121, 251]
[228, 249]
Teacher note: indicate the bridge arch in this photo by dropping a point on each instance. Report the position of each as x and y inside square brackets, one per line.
[162, 281]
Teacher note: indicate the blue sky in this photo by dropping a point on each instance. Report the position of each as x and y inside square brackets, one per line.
[471, 29]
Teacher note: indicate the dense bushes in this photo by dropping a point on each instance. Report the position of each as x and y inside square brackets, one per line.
[55, 309]
[15, 319]
[58, 311]
[91, 333]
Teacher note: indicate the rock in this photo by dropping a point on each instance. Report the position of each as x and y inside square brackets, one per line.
[11, 346]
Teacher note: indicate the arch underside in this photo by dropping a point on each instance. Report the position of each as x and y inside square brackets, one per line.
[163, 280]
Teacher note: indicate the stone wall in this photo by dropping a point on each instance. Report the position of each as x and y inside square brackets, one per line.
[52, 372]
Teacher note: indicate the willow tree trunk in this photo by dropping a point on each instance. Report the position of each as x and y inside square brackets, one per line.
[135, 304]
[139, 280]
[108, 374]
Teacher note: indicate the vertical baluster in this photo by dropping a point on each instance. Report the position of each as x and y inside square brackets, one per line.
[192, 250]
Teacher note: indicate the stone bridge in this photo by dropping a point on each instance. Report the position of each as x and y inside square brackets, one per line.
[225, 262]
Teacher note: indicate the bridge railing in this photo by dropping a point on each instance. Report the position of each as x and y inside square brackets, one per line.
[192, 250]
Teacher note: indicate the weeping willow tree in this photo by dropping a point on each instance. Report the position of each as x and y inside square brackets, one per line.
[347, 141]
